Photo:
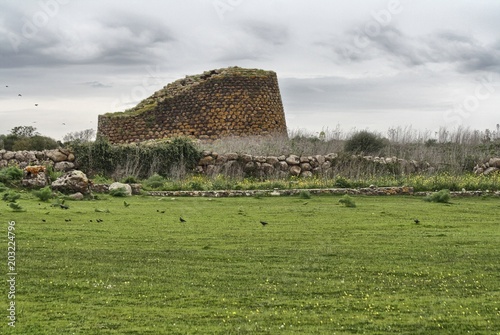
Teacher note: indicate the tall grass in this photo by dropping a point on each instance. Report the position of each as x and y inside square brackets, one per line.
[454, 151]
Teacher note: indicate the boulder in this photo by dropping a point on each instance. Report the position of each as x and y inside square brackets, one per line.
[232, 156]
[295, 170]
[207, 160]
[293, 160]
[64, 166]
[72, 182]
[56, 155]
[76, 196]
[490, 170]
[494, 162]
[38, 180]
[272, 160]
[126, 187]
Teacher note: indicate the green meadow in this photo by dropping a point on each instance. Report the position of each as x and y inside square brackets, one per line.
[317, 267]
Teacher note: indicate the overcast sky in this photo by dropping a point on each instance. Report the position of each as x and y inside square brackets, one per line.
[363, 64]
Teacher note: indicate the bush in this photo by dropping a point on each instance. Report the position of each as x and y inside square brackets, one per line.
[11, 196]
[130, 180]
[3, 188]
[141, 160]
[364, 142]
[155, 181]
[342, 182]
[10, 175]
[118, 192]
[44, 194]
[347, 201]
[16, 207]
[305, 195]
[442, 196]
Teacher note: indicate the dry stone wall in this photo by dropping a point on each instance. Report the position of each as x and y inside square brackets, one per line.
[218, 103]
[58, 159]
[284, 166]
[488, 167]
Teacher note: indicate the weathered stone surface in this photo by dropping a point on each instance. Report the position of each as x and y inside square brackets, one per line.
[259, 159]
[117, 186]
[246, 158]
[494, 162]
[283, 166]
[293, 160]
[295, 170]
[490, 170]
[306, 174]
[207, 160]
[38, 180]
[232, 156]
[250, 167]
[64, 166]
[72, 182]
[9, 155]
[56, 155]
[305, 167]
[331, 156]
[272, 160]
[268, 169]
[221, 159]
[208, 106]
[76, 196]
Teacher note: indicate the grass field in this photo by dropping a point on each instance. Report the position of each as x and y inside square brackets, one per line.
[316, 268]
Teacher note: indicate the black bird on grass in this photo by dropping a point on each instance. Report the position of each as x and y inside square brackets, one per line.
[126, 204]
[63, 206]
[67, 220]
[417, 221]
[43, 220]
[263, 223]
[181, 219]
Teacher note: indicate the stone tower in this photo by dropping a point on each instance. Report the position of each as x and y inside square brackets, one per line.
[219, 103]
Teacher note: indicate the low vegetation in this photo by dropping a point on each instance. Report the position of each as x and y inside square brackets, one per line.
[100, 267]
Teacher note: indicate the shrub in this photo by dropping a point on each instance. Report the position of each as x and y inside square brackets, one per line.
[155, 181]
[140, 160]
[3, 188]
[10, 175]
[11, 196]
[442, 196]
[364, 142]
[118, 192]
[347, 201]
[44, 194]
[16, 207]
[130, 180]
[305, 195]
[342, 182]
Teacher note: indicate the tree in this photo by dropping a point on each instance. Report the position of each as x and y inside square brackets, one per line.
[364, 142]
[86, 135]
[24, 131]
[36, 142]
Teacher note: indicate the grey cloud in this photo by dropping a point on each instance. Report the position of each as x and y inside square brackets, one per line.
[96, 84]
[392, 45]
[120, 40]
[273, 34]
